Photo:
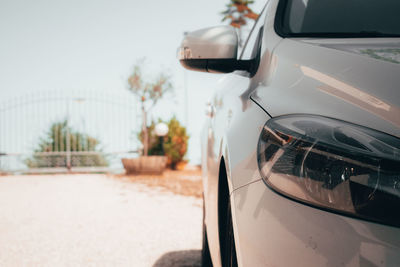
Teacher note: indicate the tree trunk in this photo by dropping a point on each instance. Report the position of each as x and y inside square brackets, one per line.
[145, 132]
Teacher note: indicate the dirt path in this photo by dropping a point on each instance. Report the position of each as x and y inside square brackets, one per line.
[95, 220]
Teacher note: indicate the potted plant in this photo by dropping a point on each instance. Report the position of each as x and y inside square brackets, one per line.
[148, 95]
[173, 144]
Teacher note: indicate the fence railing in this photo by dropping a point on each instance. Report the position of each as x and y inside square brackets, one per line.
[56, 162]
[68, 131]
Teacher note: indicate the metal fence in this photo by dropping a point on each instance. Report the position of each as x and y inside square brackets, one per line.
[79, 131]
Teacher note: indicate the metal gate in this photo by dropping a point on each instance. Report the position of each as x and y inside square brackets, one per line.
[58, 131]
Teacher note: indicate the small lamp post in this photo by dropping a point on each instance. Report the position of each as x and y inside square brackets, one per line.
[161, 131]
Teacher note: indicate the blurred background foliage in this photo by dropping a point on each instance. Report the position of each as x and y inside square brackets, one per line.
[148, 95]
[55, 140]
[175, 142]
[238, 11]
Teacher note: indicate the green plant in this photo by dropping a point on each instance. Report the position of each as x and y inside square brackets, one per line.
[55, 140]
[153, 139]
[148, 94]
[175, 142]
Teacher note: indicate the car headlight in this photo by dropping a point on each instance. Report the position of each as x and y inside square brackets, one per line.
[333, 165]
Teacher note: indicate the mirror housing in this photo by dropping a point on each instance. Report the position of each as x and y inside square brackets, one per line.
[212, 50]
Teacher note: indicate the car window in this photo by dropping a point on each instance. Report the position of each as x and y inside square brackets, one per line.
[247, 51]
[342, 17]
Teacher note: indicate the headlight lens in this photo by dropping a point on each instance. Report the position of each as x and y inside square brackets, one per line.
[333, 165]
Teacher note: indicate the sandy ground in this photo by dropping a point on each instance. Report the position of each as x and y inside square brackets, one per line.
[185, 182]
[98, 220]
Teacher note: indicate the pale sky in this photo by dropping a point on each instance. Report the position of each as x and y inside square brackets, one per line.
[93, 44]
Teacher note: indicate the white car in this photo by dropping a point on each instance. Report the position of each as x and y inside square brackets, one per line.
[301, 151]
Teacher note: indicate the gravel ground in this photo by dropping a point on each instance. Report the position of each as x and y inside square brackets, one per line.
[186, 183]
[95, 220]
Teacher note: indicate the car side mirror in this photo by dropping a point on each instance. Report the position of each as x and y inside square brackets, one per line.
[212, 50]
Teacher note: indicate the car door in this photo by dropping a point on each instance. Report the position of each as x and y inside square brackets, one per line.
[231, 100]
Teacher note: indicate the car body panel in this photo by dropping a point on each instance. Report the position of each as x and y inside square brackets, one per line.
[385, 49]
[328, 81]
[296, 76]
[267, 223]
[232, 104]
[232, 136]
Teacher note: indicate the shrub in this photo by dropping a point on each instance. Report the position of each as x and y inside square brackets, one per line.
[175, 142]
[55, 140]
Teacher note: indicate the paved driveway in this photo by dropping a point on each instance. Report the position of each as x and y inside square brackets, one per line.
[95, 220]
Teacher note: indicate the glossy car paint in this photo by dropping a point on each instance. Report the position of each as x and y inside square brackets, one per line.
[227, 132]
[275, 231]
[321, 77]
[333, 78]
[196, 45]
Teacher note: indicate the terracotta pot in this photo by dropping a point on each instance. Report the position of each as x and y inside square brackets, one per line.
[145, 165]
[180, 166]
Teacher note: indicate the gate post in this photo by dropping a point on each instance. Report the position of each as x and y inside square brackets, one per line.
[68, 141]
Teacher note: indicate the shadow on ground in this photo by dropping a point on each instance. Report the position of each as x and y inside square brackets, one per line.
[185, 258]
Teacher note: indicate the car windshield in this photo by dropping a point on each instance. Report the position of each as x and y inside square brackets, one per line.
[347, 18]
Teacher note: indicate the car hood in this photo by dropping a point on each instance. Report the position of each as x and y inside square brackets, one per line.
[384, 49]
[355, 80]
